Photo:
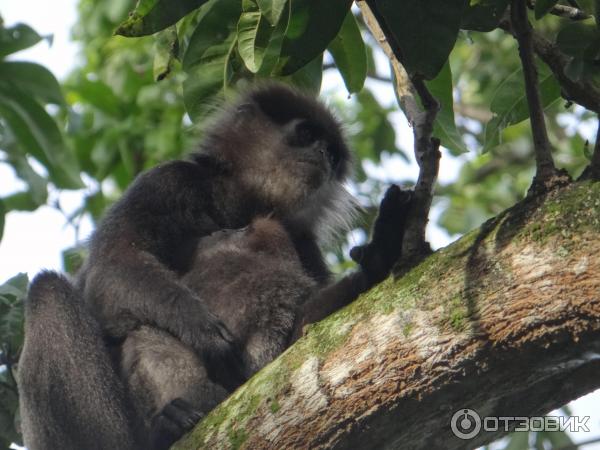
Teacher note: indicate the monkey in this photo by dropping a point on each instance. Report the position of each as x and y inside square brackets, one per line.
[275, 152]
[251, 279]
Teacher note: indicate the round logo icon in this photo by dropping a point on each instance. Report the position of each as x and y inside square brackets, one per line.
[465, 424]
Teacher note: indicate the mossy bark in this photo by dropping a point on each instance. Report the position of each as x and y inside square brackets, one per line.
[505, 321]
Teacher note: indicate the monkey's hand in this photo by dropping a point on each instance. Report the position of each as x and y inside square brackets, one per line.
[213, 342]
[377, 258]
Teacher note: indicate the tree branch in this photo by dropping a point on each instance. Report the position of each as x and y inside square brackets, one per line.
[505, 321]
[543, 153]
[426, 148]
[403, 86]
[568, 12]
[427, 153]
[581, 92]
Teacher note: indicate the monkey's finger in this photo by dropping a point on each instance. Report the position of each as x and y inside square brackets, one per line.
[390, 200]
[182, 413]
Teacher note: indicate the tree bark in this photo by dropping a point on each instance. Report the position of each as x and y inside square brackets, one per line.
[506, 321]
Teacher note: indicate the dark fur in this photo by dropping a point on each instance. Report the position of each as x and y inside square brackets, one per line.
[156, 284]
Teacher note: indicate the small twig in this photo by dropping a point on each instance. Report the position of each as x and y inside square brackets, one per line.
[403, 86]
[568, 12]
[543, 154]
[427, 153]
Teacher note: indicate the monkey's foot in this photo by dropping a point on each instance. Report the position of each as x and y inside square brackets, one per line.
[175, 419]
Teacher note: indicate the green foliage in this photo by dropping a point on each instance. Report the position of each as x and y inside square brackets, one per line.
[581, 41]
[12, 294]
[483, 15]
[27, 130]
[128, 107]
[150, 16]
[445, 126]
[349, 53]
[425, 31]
[542, 7]
[509, 103]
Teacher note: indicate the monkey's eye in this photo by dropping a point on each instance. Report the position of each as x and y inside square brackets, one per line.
[304, 135]
[334, 156]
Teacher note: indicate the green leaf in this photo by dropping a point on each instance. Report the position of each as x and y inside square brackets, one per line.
[166, 46]
[309, 77]
[37, 192]
[424, 30]
[16, 38]
[99, 95]
[12, 294]
[313, 25]
[150, 16]
[73, 258]
[39, 136]
[582, 42]
[15, 286]
[272, 9]
[208, 56]
[484, 15]
[254, 33]
[542, 7]
[445, 127]
[575, 38]
[34, 79]
[21, 201]
[349, 54]
[509, 103]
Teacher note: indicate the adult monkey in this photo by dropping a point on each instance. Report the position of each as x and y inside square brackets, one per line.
[275, 152]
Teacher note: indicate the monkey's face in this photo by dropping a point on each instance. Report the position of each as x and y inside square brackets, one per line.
[289, 146]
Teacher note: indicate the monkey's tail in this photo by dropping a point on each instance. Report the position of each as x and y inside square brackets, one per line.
[70, 394]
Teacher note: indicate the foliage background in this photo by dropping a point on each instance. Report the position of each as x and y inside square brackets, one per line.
[109, 119]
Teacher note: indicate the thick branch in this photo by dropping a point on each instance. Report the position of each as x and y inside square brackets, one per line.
[506, 322]
[543, 153]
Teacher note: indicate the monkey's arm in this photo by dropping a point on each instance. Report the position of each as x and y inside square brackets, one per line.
[375, 260]
[328, 300]
[130, 278]
[138, 290]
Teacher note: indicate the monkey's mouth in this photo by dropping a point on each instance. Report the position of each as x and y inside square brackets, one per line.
[315, 162]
